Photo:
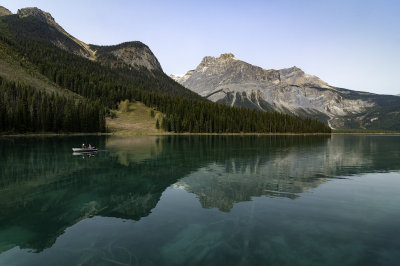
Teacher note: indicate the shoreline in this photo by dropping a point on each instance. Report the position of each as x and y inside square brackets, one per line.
[190, 134]
[50, 134]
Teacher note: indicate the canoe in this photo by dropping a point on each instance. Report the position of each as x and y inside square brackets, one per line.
[84, 153]
[84, 149]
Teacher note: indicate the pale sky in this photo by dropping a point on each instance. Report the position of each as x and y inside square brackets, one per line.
[354, 44]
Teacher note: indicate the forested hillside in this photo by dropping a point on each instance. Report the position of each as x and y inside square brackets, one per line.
[104, 87]
[25, 109]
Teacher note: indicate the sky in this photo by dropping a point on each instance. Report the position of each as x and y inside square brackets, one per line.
[353, 44]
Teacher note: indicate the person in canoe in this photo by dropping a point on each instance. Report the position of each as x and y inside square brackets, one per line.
[85, 148]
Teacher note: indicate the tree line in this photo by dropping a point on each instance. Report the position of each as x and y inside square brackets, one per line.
[184, 115]
[25, 109]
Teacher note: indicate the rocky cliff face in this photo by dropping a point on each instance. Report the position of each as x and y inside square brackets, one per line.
[33, 23]
[231, 81]
[131, 54]
[4, 11]
[39, 14]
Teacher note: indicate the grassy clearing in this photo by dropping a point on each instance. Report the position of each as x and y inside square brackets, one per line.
[134, 119]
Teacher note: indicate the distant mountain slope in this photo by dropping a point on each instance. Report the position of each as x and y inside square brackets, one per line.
[231, 81]
[134, 59]
[33, 23]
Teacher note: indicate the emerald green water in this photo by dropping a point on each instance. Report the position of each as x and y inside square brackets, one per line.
[201, 200]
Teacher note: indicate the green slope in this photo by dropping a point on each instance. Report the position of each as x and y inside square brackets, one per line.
[33, 29]
[14, 67]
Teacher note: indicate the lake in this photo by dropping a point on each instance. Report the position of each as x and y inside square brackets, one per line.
[201, 200]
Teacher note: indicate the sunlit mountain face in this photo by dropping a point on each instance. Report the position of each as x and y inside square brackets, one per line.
[228, 80]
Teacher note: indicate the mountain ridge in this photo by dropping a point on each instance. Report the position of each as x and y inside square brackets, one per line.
[4, 11]
[132, 54]
[34, 23]
[47, 18]
[228, 80]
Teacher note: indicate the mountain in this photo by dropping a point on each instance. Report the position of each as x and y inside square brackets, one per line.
[134, 60]
[39, 60]
[33, 23]
[4, 11]
[236, 83]
[128, 54]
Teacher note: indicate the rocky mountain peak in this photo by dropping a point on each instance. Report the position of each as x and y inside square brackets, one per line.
[292, 70]
[296, 76]
[225, 71]
[4, 11]
[132, 54]
[38, 13]
[207, 60]
[291, 74]
[226, 56]
[182, 78]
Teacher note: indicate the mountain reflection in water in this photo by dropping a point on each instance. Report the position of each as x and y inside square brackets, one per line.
[44, 189]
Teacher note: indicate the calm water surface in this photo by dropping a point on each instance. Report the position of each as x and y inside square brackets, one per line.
[201, 200]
